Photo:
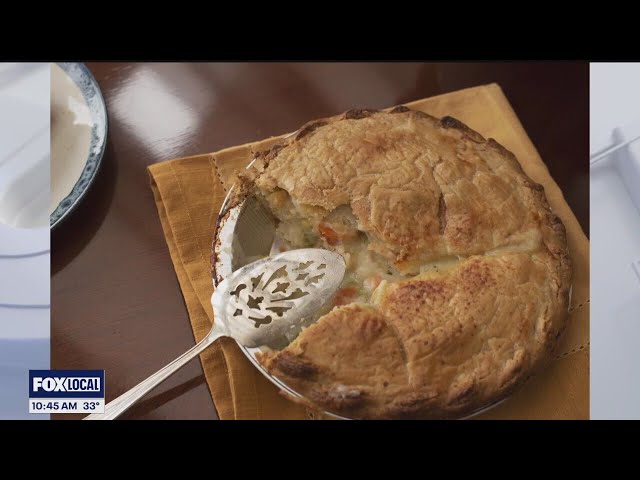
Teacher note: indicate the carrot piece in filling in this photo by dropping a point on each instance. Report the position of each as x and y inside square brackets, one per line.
[329, 234]
[345, 295]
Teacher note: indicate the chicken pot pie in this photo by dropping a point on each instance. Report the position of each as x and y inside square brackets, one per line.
[458, 275]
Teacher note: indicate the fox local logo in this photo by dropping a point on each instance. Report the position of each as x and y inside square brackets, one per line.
[66, 383]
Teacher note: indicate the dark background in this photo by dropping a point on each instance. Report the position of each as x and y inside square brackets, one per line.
[116, 302]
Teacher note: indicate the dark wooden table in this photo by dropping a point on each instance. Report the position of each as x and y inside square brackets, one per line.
[116, 303]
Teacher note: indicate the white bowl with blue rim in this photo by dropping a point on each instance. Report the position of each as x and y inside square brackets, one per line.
[85, 81]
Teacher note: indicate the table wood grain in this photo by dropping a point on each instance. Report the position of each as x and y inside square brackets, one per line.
[116, 302]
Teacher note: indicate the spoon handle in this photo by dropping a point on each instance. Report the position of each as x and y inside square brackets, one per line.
[117, 407]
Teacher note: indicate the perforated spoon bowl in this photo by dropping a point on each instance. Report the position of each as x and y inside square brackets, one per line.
[262, 303]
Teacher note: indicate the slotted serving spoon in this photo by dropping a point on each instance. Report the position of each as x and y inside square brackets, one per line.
[262, 303]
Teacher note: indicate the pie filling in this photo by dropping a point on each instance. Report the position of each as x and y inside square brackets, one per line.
[303, 226]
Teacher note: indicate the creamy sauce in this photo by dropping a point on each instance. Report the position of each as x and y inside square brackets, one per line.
[365, 269]
[70, 135]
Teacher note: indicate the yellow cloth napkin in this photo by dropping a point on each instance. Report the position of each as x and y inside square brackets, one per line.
[189, 192]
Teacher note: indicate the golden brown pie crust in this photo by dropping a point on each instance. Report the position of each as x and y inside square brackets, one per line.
[445, 342]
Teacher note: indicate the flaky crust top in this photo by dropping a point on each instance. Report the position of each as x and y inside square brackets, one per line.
[423, 189]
